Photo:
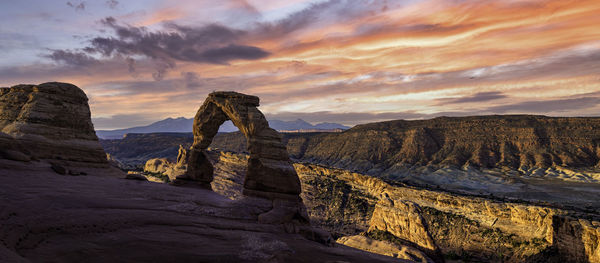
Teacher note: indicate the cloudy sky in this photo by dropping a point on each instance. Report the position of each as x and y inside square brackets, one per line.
[349, 62]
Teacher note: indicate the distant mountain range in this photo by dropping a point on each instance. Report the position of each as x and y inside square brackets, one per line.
[182, 124]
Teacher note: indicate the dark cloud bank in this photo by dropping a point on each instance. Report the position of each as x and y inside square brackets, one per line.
[213, 44]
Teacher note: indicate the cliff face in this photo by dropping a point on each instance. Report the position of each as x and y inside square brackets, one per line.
[515, 142]
[49, 122]
[471, 227]
[497, 160]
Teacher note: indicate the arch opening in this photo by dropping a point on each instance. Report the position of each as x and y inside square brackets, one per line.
[270, 173]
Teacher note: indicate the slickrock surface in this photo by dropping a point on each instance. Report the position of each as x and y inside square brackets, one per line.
[48, 217]
[50, 122]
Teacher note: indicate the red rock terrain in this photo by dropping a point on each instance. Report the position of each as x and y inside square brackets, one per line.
[62, 202]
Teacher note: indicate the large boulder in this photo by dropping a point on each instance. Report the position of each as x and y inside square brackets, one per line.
[51, 123]
[167, 168]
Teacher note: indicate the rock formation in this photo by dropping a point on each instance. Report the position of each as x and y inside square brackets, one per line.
[165, 167]
[437, 223]
[46, 129]
[270, 173]
[135, 149]
[460, 227]
[51, 123]
[403, 220]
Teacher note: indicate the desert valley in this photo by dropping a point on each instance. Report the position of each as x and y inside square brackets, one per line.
[485, 189]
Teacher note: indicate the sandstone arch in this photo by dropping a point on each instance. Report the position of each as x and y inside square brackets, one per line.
[270, 172]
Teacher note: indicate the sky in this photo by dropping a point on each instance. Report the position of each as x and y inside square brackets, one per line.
[348, 62]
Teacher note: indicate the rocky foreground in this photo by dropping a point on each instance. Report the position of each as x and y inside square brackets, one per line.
[46, 217]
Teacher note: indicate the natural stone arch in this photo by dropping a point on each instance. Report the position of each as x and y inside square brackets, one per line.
[270, 172]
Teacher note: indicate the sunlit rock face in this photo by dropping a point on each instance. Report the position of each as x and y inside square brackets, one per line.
[402, 219]
[49, 122]
[450, 225]
[536, 146]
[270, 171]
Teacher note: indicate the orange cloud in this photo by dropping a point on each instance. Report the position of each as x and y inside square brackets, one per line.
[377, 60]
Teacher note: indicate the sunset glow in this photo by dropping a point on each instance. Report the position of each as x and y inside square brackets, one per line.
[349, 62]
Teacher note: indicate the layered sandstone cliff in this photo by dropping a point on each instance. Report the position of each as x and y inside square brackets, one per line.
[517, 142]
[50, 123]
[469, 227]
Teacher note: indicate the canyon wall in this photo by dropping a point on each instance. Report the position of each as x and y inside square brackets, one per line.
[512, 141]
[470, 227]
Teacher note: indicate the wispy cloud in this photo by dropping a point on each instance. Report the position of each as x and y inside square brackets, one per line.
[332, 60]
[547, 106]
[214, 44]
[72, 58]
[475, 98]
